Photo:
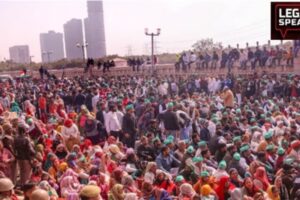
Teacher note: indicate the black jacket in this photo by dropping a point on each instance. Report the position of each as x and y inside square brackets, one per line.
[170, 121]
[100, 116]
[79, 99]
[88, 102]
[23, 148]
[128, 124]
[146, 153]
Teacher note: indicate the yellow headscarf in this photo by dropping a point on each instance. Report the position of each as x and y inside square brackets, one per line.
[63, 166]
[39, 148]
[116, 193]
[59, 128]
[206, 190]
[271, 194]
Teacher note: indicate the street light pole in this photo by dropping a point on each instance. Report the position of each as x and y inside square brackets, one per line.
[82, 46]
[30, 59]
[48, 53]
[152, 44]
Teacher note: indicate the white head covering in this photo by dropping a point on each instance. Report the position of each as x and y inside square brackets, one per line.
[131, 196]
[186, 189]
[40, 195]
[236, 194]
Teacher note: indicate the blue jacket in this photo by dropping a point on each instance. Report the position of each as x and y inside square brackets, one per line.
[166, 163]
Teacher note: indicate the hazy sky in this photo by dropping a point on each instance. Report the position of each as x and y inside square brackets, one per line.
[182, 22]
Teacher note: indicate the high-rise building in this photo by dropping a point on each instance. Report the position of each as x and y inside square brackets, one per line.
[19, 54]
[94, 30]
[73, 35]
[52, 47]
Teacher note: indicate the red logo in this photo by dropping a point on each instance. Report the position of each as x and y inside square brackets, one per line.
[285, 20]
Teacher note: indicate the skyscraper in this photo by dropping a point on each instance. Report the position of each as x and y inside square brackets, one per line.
[94, 30]
[73, 35]
[19, 54]
[52, 47]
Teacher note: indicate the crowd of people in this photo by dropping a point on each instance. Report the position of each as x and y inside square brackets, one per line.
[151, 137]
[248, 58]
[135, 63]
[105, 64]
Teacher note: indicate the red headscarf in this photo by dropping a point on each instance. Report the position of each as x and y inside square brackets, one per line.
[72, 115]
[220, 190]
[86, 144]
[68, 123]
[295, 144]
[261, 176]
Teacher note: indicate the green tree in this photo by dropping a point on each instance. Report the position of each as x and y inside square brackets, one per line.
[207, 44]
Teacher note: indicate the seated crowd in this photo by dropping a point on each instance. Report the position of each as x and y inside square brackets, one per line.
[129, 138]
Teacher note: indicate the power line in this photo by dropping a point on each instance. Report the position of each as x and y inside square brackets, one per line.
[232, 33]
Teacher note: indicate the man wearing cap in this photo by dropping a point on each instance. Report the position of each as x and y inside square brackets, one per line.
[237, 141]
[187, 158]
[170, 121]
[246, 156]
[129, 127]
[7, 189]
[90, 192]
[199, 166]
[221, 171]
[231, 149]
[268, 140]
[280, 158]
[179, 180]
[235, 163]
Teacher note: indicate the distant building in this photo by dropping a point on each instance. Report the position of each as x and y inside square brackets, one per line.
[94, 30]
[52, 47]
[19, 54]
[73, 34]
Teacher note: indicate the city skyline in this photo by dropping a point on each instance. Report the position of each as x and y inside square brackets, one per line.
[20, 54]
[182, 23]
[95, 30]
[52, 46]
[73, 34]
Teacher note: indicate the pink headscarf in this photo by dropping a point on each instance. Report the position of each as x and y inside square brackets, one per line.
[69, 188]
[71, 173]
